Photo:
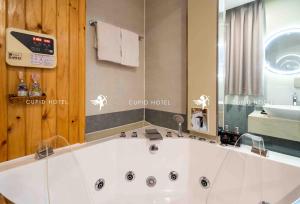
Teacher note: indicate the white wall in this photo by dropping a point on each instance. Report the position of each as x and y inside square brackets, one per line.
[163, 76]
[166, 54]
[119, 83]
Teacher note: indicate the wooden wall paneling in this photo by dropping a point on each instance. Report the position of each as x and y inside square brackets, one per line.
[3, 84]
[16, 112]
[49, 75]
[62, 70]
[33, 111]
[74, 73]
[22, 127]
[82, 70]
[2, 199]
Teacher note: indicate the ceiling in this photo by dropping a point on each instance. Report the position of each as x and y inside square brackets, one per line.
[229, 4]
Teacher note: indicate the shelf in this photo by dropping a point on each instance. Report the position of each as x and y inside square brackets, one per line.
[14, 99]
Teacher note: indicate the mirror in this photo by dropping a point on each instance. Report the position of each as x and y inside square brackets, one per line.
[282, 52]
[259, 72]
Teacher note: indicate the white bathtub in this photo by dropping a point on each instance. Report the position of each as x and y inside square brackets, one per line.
[235, 175]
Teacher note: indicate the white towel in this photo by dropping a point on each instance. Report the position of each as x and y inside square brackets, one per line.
[130, 48]
[108, 42]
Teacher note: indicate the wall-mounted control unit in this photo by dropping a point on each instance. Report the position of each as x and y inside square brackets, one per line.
[29, 49]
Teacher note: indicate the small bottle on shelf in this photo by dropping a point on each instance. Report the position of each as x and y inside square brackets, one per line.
[22, 87]
[220, 131]
[35, 87]
[225, 135]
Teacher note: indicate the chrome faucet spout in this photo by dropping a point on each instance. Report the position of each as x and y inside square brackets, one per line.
[258, 145]
[294, 99]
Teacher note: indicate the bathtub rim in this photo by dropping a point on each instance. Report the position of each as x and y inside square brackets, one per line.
[244, 149]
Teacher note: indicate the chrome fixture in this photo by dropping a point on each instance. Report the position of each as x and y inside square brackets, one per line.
[294, 99]
[169, 134]
[212, 141]
[94, 23]
[264, 202]
[153, 149]
[201, 139]
[173, 175]
[153, 134]
[43, 152]
[151, 181]
[204, 182]
[130, 176]
[99, 184]
[179, 120]
[134, 134]
[258, 145]
[122, 134]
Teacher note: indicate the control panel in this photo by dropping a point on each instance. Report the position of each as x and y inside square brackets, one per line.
[30, 49]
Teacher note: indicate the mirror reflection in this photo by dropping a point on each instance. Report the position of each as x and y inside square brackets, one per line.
[259, 71]
[282, 52]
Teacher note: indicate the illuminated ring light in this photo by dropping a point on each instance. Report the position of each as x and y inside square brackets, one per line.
[285, 60]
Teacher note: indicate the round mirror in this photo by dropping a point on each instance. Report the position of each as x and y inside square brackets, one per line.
[282, 52]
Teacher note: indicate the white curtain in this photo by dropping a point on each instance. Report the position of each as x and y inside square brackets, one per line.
[245, 27]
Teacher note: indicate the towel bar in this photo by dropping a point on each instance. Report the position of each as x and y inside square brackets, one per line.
[93, 23]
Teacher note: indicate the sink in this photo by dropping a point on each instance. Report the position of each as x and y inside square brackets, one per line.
[283, 111]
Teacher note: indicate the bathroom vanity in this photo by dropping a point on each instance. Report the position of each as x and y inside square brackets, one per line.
[274, 126]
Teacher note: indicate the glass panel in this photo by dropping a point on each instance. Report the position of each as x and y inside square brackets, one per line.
[259, 72]
[221, 61]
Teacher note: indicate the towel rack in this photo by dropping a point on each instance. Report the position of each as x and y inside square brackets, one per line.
[94, 23]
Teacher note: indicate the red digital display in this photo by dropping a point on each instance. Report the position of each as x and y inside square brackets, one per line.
[46, 41]
[37, 39]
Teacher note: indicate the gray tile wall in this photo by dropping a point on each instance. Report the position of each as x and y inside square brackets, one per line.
[164, 119]
[109, 120]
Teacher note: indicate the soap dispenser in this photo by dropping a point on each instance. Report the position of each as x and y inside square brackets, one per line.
[225, 135]
[22, 87]
[35, 87]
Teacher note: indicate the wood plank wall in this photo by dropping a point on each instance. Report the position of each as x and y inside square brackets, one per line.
[22, 127]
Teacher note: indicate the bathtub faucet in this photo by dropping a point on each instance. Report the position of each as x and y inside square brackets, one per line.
[258, 145]
[43, 152]
[179, 120]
